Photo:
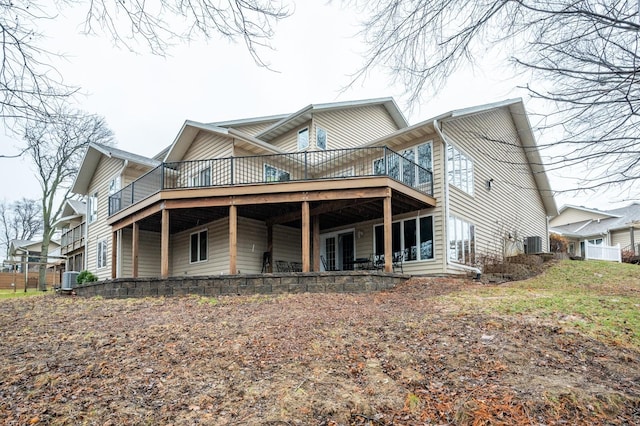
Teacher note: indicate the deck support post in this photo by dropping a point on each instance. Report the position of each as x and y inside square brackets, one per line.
[233, 239]
[388, 248]
[114, 254]
[316, 243]
[305, 237]
[135, 238]
[270, 247]
[164, 244]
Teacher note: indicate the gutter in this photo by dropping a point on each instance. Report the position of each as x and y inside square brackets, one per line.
[449, 264]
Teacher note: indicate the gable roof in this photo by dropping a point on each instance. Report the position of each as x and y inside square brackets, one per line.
[72, 209]
[586, 210]
[523, 127]
[296, 119]
[190, 130]
[621, 218]
[29, 245]
[249, 121]
[92, 157]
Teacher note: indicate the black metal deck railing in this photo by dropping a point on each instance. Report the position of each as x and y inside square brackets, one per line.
[269, 169]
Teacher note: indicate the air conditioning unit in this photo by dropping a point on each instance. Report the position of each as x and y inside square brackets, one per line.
[533, 245]
[69, 279]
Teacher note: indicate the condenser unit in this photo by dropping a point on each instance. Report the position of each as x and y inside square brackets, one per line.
[69, 279]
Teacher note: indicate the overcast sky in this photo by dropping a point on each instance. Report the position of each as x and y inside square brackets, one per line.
[145, 98]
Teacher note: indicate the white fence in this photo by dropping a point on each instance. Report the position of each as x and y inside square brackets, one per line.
[602, 252]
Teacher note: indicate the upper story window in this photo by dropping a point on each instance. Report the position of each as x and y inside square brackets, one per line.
[321, 138]
[410, 238]
[462, 241]
[199, 245]
[114, 185]
[412, 165]
[274, 174]
[459, 170]
[92, 207]
[303, 139]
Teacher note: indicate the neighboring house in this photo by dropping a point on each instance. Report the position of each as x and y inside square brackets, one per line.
[73, 230]
[581, 225]
[25, 254]
[321, 188]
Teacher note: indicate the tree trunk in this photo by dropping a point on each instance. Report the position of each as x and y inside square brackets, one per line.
[44, 254]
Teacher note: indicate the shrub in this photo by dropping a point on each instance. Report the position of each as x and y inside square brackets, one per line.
[558, 243]
[86, 277]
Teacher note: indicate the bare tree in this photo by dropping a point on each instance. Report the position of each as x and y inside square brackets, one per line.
[20, 220]
[32, 89]
[579, 56]
[56, 149]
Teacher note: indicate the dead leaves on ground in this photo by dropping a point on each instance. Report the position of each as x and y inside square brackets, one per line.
[394, 358]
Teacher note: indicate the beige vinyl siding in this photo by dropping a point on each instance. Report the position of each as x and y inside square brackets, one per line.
[131, 174]
[99, 230]
[149, 255]
[287, 244]
[254, 129]
[217, 256]
[289, 141]
[513, 206]
[352, 127]
[252, 243]
[124, 257]
[571, 215]
[623, 237]
[207, 146]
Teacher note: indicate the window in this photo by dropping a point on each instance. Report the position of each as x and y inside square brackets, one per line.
[198, 246]
[114, 185]
[274, 174]
[596, 242]
[405, 236]
[459, 170]
[202, 178]
[303, 139]
[462, 241]
[92, 208]
[321, 138]
[101, 254]
[411, 163]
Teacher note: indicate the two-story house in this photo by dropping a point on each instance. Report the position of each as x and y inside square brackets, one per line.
[319, 188]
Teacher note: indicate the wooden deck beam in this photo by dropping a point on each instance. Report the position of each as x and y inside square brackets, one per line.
[135, 239]
[388, 247]
[164, 244]
[233, 240]
[305, 237]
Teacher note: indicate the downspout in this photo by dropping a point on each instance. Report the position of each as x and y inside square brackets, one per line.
[446, 211]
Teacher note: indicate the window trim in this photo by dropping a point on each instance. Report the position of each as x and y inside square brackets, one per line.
[452, 236]
[195, 179]
[102, 242]
[468, 169]
[416, 220]
[300, 132]
[92, 207]
[278, 170]
[199, 246]
[326, 138]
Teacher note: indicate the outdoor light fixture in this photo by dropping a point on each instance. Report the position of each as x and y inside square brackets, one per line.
[489, 183]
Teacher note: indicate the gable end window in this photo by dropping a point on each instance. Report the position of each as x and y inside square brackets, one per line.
[321, 138]
[303, 139]
[198, 246]
[92, 208]
[101, 259]
[459, 170]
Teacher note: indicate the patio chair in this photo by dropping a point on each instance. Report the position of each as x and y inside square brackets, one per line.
[378, 261]
[266, 261]
[282, 266]
[398, 257]
[295, 266]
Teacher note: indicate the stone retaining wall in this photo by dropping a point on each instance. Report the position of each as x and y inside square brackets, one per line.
[277, 283]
